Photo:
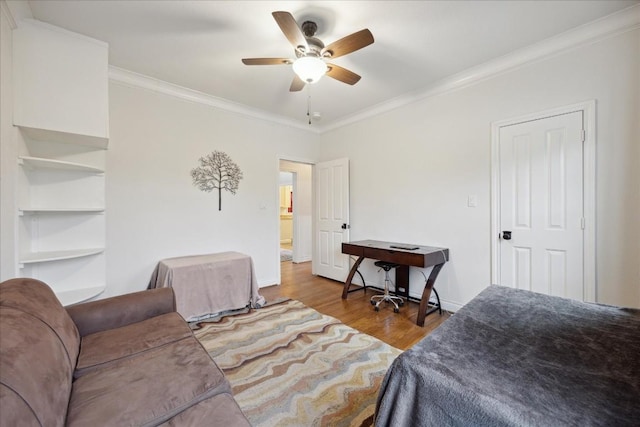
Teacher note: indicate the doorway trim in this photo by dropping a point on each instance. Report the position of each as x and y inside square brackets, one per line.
[287, 158]
[588, 108]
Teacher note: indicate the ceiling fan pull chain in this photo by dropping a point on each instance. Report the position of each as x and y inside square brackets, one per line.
[309, 103]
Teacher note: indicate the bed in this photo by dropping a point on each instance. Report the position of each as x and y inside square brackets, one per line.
[517, 358]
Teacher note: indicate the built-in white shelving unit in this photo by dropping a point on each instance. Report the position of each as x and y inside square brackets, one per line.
[37, 162]
[61, 218]
[61, 111]
[25, 210]
[38, 257]
[78, 295]
[65, 137]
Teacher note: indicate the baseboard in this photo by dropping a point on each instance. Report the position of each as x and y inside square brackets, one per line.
[450, 306]
[267, 282]
[446, 305]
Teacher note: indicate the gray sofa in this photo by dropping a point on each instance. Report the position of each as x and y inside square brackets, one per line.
[127, 360]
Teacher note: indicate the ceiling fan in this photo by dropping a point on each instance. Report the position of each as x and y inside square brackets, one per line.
[312, 55]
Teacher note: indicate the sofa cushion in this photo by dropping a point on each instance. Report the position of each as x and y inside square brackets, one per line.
[15, 411]
[221, 410]
[146, 389]
[36, 298]
[112, 345]
[34, 371]
[115, 312]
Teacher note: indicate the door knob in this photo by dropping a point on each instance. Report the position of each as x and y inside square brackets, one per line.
[345, 226]
[506, 235]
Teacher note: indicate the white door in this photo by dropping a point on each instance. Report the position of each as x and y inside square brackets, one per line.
[331, 219]
[541, 205]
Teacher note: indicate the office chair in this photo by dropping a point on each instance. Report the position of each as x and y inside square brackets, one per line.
[376, 300]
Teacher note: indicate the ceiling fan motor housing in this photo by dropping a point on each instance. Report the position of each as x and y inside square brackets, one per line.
[309, 28]
[315, 48]
[315, 45]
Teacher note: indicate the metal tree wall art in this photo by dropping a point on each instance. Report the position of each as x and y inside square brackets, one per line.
[217, 171]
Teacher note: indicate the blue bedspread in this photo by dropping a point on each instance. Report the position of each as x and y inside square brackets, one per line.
[517, 358]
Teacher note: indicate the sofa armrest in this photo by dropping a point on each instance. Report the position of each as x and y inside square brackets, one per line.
[122, 310]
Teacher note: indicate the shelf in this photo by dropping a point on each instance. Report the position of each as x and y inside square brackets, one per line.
[64, 137]
[49, 256]
[41, 163]
[78, 295]
[60, 210]
[60, 103]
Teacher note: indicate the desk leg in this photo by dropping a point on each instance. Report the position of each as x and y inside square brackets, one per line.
[402, 281]
[352, 273]
[426, 294]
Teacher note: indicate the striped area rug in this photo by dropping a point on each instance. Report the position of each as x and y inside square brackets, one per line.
[290, 365]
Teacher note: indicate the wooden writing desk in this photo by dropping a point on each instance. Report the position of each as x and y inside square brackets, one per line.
[400, 253]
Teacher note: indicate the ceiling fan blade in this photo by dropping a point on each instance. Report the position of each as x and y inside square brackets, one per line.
[297, 84]
[342, 74]
[290, 28]
[266, 61]
[349, 44]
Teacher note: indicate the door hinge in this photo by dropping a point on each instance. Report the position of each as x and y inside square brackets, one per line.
[584, 135]
[583, 223]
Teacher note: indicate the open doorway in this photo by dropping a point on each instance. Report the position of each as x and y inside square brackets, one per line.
[286, 215]
[295, 211]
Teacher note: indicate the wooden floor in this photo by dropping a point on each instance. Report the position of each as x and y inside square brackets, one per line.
[324, 295]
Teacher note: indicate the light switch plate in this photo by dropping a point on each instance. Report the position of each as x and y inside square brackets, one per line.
[472, 201]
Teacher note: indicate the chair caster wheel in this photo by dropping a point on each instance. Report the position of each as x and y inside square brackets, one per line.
[376, 308]
[401, 303]
[373, 302]
[396, 310]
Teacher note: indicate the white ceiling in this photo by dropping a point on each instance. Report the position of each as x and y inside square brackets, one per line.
[199, 44]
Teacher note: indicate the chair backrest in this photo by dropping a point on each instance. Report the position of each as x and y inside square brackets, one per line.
[39, 345]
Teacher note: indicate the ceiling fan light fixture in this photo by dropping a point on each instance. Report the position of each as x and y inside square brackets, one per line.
[310, 68]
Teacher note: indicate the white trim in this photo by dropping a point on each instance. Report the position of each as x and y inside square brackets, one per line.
[132, 79]
[268, 282]
[276, 218]
[16, 11]
[450, 306]
[589, 185]
[495, 203]
[625, 20]
[7, 12]
[294, 159]
[445, 304]
[588, 108]
[617, 23]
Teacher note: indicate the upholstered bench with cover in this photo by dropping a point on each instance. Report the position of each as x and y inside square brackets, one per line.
[126, 360]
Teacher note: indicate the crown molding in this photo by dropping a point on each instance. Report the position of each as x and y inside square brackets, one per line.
[7, 12]
[16, 11]
[611, 25]
[617, 23]
[131, 79]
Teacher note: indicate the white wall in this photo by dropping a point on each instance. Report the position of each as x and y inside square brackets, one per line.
[413, 168]
[154, 210]
[8, 152]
